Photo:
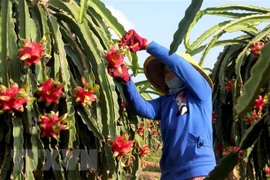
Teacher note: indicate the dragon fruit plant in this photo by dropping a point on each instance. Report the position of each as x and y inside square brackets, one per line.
[57, 101]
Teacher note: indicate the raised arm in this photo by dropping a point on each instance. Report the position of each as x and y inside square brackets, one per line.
[148, 109]
[192, 79]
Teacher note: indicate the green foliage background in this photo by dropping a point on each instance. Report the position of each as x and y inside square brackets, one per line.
[76, 34]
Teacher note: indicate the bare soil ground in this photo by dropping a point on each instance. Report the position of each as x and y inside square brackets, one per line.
[151, 172]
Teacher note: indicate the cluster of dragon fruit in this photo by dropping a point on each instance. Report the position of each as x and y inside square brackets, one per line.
[50, 91]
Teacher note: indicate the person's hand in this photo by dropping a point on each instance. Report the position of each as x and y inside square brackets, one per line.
[134, 41]
[120, 72]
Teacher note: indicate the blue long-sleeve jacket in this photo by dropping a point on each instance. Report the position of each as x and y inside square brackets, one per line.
[187, 139]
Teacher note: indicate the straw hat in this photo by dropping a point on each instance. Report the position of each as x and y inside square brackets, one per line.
[154, 70]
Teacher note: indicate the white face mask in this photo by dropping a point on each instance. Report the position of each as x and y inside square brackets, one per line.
[175, 84]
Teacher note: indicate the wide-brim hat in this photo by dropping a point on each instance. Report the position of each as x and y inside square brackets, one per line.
[154, 72]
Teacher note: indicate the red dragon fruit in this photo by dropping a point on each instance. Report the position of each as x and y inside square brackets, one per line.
[144, 151]
[154, 132]
[259, 103]
[31, 52]
[143, 164]
[229, 84]
[267, 171]
[256, 48]
[51, 124]
[214, 117]
[50, 91]
[121, 146]
[12, 99]
[86, 95]
[140, 130]
[115, 57]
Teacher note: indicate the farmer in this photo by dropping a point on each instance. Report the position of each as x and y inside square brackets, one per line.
[184, 109]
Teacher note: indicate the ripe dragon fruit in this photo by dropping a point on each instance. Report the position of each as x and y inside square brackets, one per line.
[50, 91]
[144, 151]
[256, 48]
[86, 95]
[51, 124]
[267, 171]
[259, 103]
[31, 52]
[114, 57]
[121, 146]
[12, 99]
[154, 132]
[143, 164]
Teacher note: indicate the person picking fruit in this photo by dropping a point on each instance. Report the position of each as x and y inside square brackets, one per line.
[184, 109]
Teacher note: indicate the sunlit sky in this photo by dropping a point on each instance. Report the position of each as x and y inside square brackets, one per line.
[158, 20]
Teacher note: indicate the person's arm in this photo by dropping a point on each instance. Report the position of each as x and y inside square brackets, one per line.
[192, 79]
[148, 109]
